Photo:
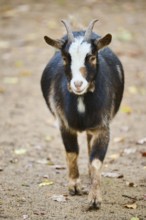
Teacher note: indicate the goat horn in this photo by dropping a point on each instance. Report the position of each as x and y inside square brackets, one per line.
[69, 31]
[88, 33]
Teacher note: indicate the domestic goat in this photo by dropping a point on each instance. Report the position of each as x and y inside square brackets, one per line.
[83, 87]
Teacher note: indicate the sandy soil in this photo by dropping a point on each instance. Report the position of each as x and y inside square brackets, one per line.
[32, 157]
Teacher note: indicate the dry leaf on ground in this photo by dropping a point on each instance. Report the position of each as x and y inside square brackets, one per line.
[59, 198]
[114, 156]
[141, 141]
[25, 216]
[124, 35]
[10, 80]
[112, 175]
[20, 151]
[131, 206]
[48, 138]
[126, 109]
[143, 153]
[119, 139]
[2, 90]
[46, 183]
[133, 90]
[60, 167]
[4, 44]
[129, 150]
[134, 218]
[130, 184]
[25, 73]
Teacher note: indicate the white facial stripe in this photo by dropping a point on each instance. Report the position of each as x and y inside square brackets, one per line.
[78, 51]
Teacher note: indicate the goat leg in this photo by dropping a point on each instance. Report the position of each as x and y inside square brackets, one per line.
[99, 143]
[72, 150]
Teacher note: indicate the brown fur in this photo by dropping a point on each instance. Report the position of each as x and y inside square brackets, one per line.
[74, 181]
[92, 61]
[91, 87]
[72, 165]
[83, 71]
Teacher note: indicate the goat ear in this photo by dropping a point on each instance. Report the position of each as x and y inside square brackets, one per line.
[54, 43]
[104, 41]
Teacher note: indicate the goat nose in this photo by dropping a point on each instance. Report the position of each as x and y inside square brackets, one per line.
[78, 84]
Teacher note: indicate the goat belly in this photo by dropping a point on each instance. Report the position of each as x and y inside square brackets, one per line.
[81, 124]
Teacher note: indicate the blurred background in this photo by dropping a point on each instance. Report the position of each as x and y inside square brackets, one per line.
[30, 144]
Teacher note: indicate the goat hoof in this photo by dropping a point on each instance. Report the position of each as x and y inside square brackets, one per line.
[95, 200]
[94, 205]
[75, 191]
[75, 188]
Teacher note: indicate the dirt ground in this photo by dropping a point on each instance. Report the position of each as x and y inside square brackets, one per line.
[32, 158]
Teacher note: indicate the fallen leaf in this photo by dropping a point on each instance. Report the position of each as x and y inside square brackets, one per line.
[2, 90]
[19, 63]
[4, 44]
[10, 80]
[134, 218]
[124, 35]
[45, 161]
[42, 161]
[131, 206]
[114, 156]
[46, 183]
[119, 139]
[143, 153]
[25, 73]
[10, 13]
[38, 213]
[60, 167]
[131, 184]
[20, 151]
[133, 90]
[129, 150]
[48, 138]
[25, 217]
[112, 175]
[59, 198]
[141, 141]
[126, 109]
[23, 8]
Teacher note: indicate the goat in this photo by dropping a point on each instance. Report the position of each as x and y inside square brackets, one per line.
[83, 87]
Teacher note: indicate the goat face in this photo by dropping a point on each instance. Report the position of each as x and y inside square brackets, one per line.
[80, 58]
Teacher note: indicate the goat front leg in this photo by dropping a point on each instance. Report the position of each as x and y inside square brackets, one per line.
[72, 150]
[99, 143]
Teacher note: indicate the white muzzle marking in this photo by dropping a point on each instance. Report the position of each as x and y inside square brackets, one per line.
[79, 90]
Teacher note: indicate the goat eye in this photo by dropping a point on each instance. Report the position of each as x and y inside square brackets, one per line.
[64, 59]
[92, 58]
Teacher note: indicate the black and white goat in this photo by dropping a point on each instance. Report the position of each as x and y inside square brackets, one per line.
[83, 87]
